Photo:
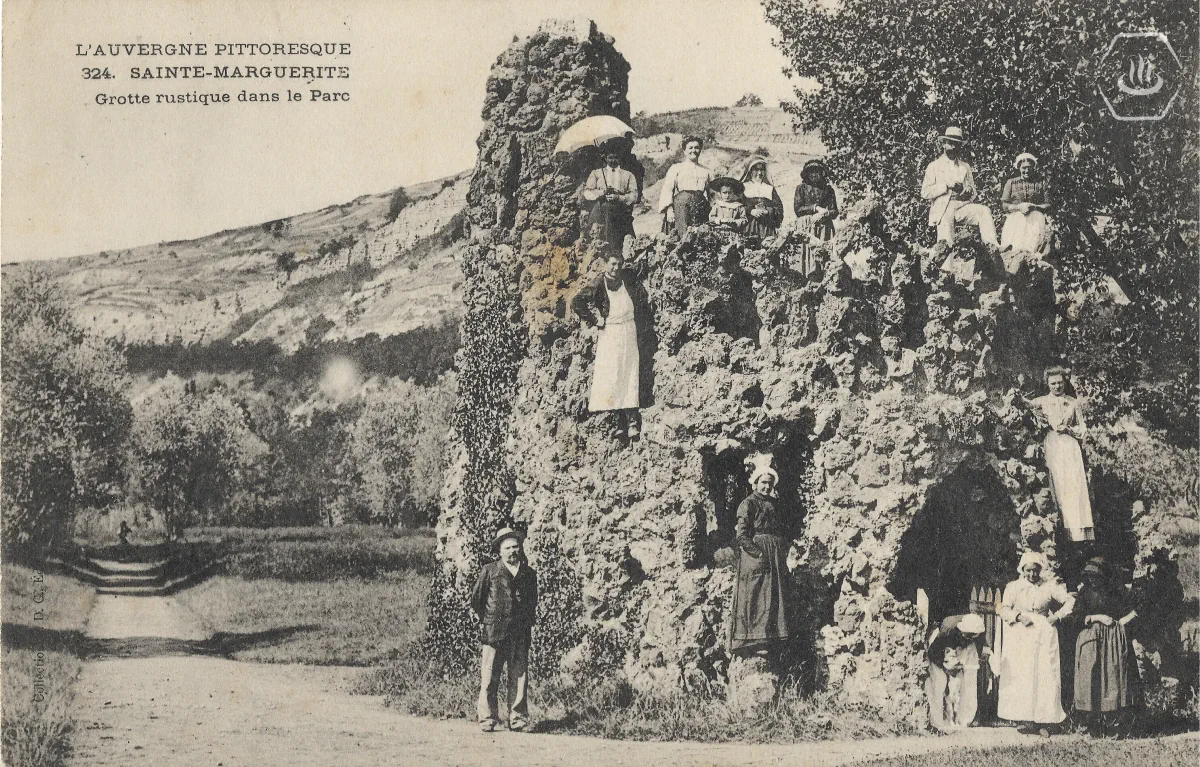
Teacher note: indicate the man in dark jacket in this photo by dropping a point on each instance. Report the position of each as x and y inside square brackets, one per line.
[505, 599]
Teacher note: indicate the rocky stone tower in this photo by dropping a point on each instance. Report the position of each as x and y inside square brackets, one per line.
[894, 482]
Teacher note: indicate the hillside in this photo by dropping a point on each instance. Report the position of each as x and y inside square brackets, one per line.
[354, 268]
[355, 272]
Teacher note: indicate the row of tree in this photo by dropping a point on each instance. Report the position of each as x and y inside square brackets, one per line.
[80, 432]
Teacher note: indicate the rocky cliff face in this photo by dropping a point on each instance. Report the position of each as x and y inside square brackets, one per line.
[517, 269]
[895, 481]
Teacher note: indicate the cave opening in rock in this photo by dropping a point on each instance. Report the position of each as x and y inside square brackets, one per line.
[964, 538]
[727, 477]
[1112, 519]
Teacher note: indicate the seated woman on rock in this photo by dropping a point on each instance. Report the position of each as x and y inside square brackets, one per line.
[762, 607]
[617, 304]
[815, 205]
[682, 201]
[727, 211]
[762, 200]
[613, 190]
[1026, 200]
[958, 671]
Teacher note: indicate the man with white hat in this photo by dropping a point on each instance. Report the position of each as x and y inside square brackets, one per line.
[505, 599]
[950, 185]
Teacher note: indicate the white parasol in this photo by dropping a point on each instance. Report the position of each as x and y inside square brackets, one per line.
[591, 131]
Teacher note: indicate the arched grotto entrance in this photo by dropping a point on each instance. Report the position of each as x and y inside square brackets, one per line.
[964, 538]
[727, 478]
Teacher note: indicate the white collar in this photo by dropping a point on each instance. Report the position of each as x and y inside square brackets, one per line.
[511, 569]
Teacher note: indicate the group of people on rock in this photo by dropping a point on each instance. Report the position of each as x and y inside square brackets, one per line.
[1021, 666]
[1020, 674]
[693, 194]
[949, 186]
[962, 666]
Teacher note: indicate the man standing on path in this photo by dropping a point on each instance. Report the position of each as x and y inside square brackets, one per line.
[950, 185]
[505, 599]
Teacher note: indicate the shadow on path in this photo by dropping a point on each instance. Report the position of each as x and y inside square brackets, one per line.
[219, 645]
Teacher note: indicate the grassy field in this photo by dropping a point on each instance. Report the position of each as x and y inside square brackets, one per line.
[43, 622]
[1161, 752]
[325, 596]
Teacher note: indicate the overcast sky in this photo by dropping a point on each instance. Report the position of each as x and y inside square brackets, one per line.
[79, 178]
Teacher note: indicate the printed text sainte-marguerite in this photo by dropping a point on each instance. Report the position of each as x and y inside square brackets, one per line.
[239, 70]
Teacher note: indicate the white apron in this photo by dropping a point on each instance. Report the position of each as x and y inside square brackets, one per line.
[1030, 688]
[1064, 459]
[615, 378]
[1025, 233]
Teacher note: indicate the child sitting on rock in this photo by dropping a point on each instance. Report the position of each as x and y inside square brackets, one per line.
[727, 211]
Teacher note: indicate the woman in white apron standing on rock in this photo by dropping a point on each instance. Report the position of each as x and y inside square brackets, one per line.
[611, 304]
[1064, 457]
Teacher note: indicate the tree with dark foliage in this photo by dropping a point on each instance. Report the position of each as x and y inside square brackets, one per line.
[1021, 76]
[65, 416]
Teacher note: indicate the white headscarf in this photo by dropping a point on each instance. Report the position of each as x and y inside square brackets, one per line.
[1033, 557]
[764, 470]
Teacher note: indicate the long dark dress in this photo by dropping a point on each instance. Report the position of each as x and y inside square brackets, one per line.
[1106, 676]
[761, 607]
[808, 198]
[768, 225]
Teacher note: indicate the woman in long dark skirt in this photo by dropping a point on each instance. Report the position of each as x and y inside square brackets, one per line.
[815, 205]
[761, 607]
[683, 201]
[1106, 676]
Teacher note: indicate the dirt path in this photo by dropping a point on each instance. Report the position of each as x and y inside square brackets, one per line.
[150, 702]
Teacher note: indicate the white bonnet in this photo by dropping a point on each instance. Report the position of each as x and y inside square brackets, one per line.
[1033, 557]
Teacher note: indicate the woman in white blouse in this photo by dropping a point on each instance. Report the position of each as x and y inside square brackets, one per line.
[1030, 688]
[683, 201]
[1064, 458]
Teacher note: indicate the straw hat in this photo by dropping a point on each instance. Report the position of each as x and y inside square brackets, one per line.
[720, 181]
[953, 134]
[504, 534]
[812, 165]
[1094, 567]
